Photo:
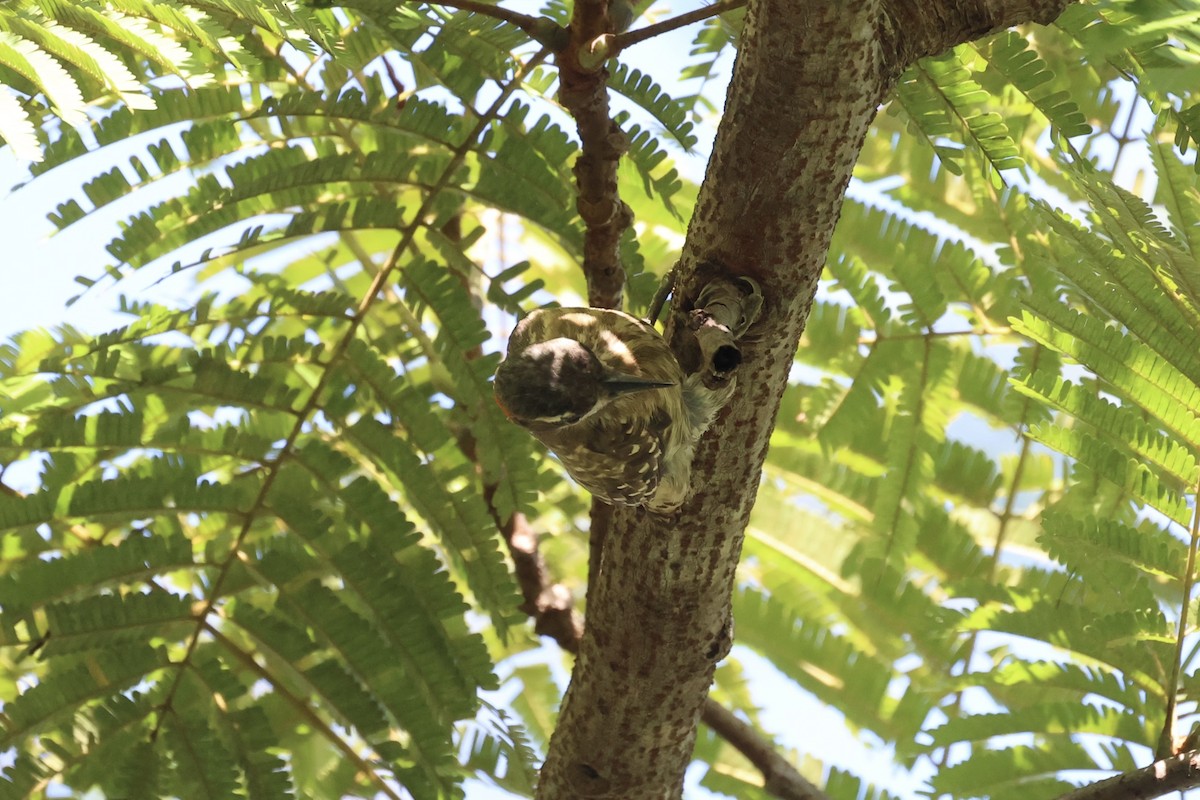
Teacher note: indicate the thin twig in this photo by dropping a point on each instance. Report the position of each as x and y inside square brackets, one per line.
[990, 331]
[525, 22]
[780, 778]
[623, 40]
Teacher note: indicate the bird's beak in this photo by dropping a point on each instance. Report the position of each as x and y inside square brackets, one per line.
[619, 383]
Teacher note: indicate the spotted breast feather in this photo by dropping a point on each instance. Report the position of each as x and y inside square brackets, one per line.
[631, 461]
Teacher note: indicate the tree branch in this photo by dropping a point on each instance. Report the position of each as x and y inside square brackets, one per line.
[913, 29]
[623, 40]
[795, 117]
[1172, 774]
[808, 80]
[551, 607]
[549, 604]
[584, 93]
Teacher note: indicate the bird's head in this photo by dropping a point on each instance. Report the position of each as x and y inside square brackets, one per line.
[559, 382]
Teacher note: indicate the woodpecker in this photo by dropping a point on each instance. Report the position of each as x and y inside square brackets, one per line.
[604, 392]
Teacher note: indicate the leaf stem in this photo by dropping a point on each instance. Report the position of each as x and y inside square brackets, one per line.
[981, 331]
[1002, 529]
[302, 708]
[273, 465]
[1165, 745]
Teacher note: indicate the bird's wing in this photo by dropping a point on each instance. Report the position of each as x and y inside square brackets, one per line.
[620, 461]
[622, 342]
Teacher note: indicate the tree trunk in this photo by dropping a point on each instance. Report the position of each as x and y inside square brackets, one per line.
[808, 80]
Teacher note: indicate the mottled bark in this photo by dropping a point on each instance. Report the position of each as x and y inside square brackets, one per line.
[808, 80]
[553, 612]
[913, 29]
[1174, 774]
